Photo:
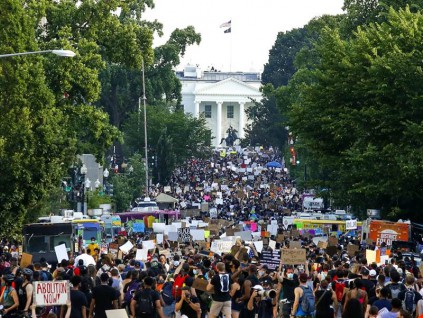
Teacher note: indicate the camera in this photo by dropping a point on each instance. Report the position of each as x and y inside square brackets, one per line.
[270, 293]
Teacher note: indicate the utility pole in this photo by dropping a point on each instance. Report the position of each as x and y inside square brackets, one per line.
[144, 98]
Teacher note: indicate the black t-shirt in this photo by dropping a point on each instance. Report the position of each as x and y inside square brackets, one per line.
[288, 287]
[370, 287]
[78, 300]
[187, 310]
[104, 296]
[148, 292]
[222, 285]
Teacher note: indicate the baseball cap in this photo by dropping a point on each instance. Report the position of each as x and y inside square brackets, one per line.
[258, 287]
[372, 272]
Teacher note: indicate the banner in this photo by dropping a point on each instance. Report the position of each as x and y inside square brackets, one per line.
[293, 256]
[52, 293]
[351, 224]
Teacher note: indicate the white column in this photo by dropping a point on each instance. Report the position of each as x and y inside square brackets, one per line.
[197, 109]
[219, 123]
[241, 120]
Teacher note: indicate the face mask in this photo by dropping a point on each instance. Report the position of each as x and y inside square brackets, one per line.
[92, 241]
[175, 263]
[290, 275]
[195, 272]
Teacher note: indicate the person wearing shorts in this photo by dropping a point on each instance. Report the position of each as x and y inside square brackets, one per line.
[220, 284]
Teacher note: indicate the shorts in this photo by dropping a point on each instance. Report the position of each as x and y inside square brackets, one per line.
[223, 307]
[169, 310]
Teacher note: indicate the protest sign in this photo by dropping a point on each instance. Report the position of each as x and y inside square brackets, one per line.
[116, 313]
[351, 224]
[293, 256]
[245, 235]
[149, 245]
[125, 248]
[159, 238]
[201, 284]
[204, 207]
[26, 260]
[220, 246]
[51, 293]
[333, 241]
[184, 234]
[294, 244]
[197, 235]
[351, 249]
[138, 227]
[159, 227]
[61, 252]
[322, 244]
[271, 259]
[142, 254]
[213, 213]
[259, 246]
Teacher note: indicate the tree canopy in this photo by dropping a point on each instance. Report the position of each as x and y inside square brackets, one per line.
[357, 108]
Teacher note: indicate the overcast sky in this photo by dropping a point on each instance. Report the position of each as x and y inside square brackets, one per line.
[255, 25]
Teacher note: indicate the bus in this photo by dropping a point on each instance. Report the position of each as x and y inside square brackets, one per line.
[321, 227]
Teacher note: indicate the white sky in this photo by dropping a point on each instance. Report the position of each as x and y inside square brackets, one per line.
[255, 25]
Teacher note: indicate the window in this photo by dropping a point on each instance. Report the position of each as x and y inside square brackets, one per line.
[207, 111]
[230, 111]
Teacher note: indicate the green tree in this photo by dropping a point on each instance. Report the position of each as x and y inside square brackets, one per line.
[357, 109]
[189, 136]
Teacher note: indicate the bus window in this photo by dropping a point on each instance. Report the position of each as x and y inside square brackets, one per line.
[88, 233]
[59, 240]
[334, 228]
[36, 244]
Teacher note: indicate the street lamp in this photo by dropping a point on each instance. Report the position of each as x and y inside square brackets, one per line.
[63, 53]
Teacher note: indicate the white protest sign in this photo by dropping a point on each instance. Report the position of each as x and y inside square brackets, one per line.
[259, 246]
[219, 246]
[142, 254]
[219, 201]
[51, 293]
[159, 238]
[149, 245]
[213, 213]
[61, 252]
[159, 227]
[197, 235]
[126, 247]
[272, 244]
[351, 224]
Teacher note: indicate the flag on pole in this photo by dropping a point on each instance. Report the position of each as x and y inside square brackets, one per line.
[226, 24]
[227, 31]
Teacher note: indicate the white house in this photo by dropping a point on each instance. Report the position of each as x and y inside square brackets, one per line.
[222, 97]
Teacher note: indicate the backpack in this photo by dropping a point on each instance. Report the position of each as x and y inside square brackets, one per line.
[395, 290]
[339, 290]
[145, 305]
[224, 283]
[46, 276]
[307, 301]
[167, 294]
[408, 302]
[179, 282]
[129, 290]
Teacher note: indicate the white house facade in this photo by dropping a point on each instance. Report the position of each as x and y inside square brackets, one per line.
[221, 97]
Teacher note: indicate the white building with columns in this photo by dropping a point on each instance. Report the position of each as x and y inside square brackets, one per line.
[221, 97]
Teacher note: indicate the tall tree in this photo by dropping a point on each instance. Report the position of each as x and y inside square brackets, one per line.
[357, 108]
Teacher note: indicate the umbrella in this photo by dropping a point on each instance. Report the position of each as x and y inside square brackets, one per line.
[273, 164]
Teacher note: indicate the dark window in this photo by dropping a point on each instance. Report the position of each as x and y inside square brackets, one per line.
[230, 111]
[207, 111]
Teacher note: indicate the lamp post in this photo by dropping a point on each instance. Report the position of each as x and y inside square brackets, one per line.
[83, 172]
[105, 176]
[87, 187]
[63, 53]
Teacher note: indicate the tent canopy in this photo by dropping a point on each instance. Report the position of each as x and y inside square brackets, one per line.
[164, 198]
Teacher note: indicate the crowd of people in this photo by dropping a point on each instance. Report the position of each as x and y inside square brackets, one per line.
[189, 280]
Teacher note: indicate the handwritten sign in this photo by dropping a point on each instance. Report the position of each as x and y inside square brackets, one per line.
[333, 241]
[351, 249]
[293, 256]
[219, 246]
[52, 293]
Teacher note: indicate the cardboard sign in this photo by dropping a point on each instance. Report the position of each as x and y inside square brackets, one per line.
[294, 244]
[201, 284]
[293, 256]
[220, 246]
[322, 244]
[351, 249]
[333, 241]
[26, 260]
[280, 238]
[51, 293]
